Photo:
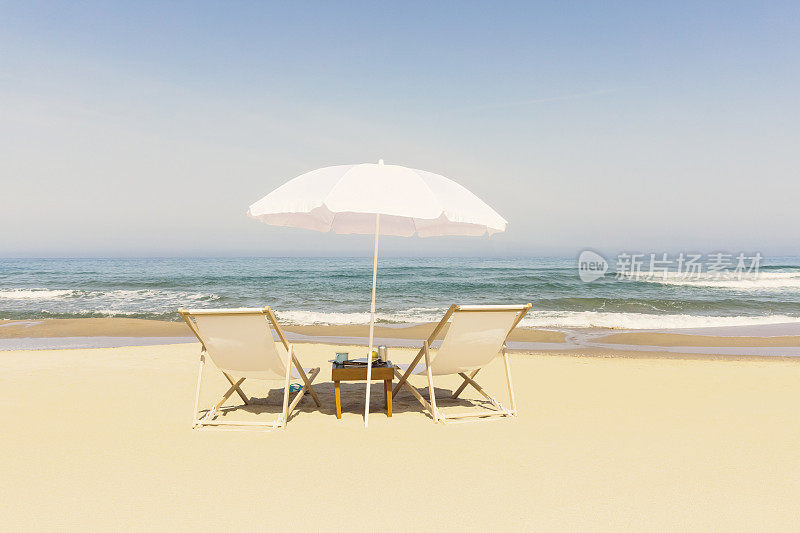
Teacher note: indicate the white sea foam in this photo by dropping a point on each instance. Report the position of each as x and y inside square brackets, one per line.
[154, 295]
[117, 302]
[117, 294]
[313, 317]
[592, 319]
[413, 315]
[544, 319]
[764, 281]
[34, 294]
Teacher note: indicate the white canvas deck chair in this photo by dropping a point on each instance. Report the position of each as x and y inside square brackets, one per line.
[240, 344]
[477, 334]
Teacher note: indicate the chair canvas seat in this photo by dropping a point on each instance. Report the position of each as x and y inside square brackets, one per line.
[295, 375]
[420, 368]
[241, 344]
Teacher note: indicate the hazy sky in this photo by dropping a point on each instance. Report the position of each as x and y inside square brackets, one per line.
[148, 128]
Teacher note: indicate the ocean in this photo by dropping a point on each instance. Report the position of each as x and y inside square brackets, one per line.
[410, 290]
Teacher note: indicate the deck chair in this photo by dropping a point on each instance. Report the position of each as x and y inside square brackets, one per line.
[240, 344]
[476, 335]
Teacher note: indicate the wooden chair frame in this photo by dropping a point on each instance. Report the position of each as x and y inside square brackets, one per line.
[280, 421]
[469, 379]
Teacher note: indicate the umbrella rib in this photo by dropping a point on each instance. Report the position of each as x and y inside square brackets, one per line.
[333, 219]
[325, 200]
[330, 191]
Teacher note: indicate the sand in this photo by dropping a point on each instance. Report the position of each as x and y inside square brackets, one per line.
[83, 327]
[101, 439]
[655, 338]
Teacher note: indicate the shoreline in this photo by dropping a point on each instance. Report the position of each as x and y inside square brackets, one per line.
[778, 340]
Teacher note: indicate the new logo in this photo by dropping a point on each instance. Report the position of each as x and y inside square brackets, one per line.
[591, 266]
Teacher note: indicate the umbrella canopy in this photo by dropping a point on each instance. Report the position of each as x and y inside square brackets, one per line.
[377, 199]
[346, 198]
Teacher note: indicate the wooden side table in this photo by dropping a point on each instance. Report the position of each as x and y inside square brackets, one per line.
[341, 373]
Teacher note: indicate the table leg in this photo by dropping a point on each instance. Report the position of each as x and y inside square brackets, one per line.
[337, 390]
[387, 396]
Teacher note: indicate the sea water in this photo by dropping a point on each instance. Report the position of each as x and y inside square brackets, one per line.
[410, 290]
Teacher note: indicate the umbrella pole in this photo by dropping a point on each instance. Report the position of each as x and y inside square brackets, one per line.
[372, 317]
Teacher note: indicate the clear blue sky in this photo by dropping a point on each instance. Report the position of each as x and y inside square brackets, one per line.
[148, 128]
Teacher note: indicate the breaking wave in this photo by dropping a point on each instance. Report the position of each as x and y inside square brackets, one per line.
[543, 319]
[765, 281]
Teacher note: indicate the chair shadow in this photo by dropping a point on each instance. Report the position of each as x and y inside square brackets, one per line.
[444, 400]
[352, 397]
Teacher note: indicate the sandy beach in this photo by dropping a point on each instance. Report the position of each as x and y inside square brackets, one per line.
[603, 441]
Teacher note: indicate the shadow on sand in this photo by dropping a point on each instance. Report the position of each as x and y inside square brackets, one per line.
[352, 401]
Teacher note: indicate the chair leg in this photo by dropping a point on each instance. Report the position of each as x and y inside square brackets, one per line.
[306, 381]
[477, 387]
[431, 393]
[404, 377]
[463, 386]
[510, 384]
[241, 394]
[195, 420]
[306, 388]
[285, 411]
[413, 390]
[228, 394]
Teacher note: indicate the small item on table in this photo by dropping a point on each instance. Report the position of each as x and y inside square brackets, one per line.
[341, 357]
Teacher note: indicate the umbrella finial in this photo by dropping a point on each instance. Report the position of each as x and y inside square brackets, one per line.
[380, 161]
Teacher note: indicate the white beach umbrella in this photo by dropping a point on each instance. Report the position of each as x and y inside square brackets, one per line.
[377, 199]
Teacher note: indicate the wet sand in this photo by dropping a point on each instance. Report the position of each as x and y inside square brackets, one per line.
[654, 338]
[751, 340]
